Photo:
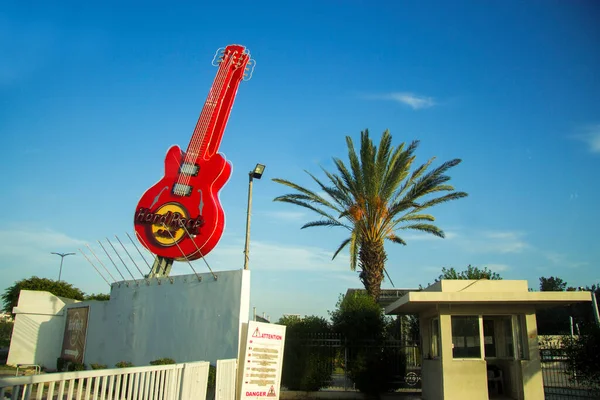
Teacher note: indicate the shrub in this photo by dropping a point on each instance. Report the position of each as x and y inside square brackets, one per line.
[371, 364]
[583, 354]
[76, 366]
[98, 366]
[374, 370]
[212, 377]
[163, 361]
[61, 364]
[6, 328]
[305, 367]
[123, 364]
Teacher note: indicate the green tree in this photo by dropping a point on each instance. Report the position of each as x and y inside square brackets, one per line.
[470, 273]
[10, 297]
[6, 328]
[583, 355]
[552, 284]
[306, 366]
[358, 317]
[98, 296]
[372, 366]
[376, 197]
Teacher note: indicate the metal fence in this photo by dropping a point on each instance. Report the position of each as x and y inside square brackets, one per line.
[560, 383]
[336, 352]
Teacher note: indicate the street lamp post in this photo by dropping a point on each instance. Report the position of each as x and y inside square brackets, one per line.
[62, 257]
[256, 173]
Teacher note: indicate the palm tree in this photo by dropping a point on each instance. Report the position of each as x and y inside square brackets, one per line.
[375, 197]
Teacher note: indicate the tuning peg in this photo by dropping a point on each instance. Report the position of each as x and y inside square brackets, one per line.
[218, 58]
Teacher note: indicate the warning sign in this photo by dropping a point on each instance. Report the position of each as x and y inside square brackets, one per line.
[75, 334]
[261, 360]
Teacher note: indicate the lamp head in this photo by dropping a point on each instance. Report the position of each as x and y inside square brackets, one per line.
[258, 171]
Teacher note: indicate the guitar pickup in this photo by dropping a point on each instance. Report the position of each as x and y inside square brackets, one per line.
[189, 169]
[179, 189]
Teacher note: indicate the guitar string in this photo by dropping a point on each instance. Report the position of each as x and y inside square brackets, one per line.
[182, 179]
[205, 118]
[200, 125]
[214, 96]
[205, 146]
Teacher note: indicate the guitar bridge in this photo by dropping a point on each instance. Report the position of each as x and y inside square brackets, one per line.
[179, 189]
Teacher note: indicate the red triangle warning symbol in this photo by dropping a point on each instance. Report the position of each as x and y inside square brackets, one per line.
[256, 333]
[271, 392]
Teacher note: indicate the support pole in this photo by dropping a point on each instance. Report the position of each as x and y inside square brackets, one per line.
[595, 308]
[161, 267]
[248, 212]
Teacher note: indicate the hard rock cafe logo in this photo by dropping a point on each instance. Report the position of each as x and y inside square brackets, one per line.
[168, 222]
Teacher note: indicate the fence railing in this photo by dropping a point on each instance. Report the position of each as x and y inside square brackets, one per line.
[161, 382]
[331, 351]
[560, 382]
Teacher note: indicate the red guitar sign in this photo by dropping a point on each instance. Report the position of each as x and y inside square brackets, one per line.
[181, 217]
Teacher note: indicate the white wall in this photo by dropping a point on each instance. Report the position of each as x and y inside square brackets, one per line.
[186, 320]
[38, 330]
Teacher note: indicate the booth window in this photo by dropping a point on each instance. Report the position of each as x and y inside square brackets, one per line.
[435, 337]
[465, 337]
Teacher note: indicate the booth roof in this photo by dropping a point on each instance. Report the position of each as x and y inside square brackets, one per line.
[414, 302]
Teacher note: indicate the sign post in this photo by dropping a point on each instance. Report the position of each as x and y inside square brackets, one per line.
[260, 361]
[74, 337]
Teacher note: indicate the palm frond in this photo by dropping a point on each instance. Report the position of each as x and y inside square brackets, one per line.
[443, 199]
[341, 247]
[323, 223]
[290, 200]
[434, 230]
[415, 217]
[396, 239]
[354, 180]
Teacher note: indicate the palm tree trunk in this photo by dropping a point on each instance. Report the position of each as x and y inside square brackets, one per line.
[371, 260]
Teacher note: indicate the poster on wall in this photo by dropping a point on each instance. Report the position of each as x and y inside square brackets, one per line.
[260, 361]
[75, 334]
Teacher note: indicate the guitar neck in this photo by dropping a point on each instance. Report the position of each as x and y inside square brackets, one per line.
[211, 124]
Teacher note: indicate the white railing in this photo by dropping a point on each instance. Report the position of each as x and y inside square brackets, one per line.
[161, 382]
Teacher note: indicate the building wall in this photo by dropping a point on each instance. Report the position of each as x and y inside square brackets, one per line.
[433, 387]
[531, 369]
[38, 324]
[183, 319]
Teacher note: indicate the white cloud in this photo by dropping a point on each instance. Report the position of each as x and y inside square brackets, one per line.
[273, 256]
[427, 236]
[496, 242]
[27, 252]
[416, 102]
[591, 136]
[562, 260]
[283, 215]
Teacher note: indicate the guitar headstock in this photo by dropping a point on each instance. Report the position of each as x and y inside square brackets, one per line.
[237, 56]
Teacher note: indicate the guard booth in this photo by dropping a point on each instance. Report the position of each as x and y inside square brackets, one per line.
[479, 337]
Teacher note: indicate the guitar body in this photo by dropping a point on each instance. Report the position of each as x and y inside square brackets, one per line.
[161, 213]
[180, 217]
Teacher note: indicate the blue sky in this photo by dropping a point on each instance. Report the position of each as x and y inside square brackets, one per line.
[93, 93]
